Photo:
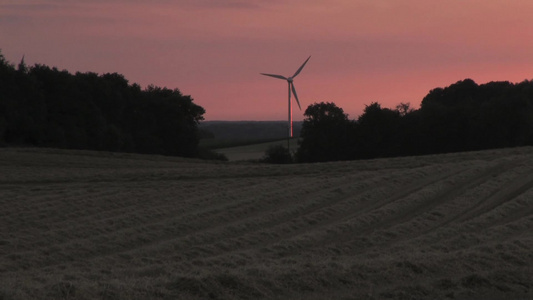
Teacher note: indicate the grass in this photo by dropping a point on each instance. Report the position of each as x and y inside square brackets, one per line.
[96, 225]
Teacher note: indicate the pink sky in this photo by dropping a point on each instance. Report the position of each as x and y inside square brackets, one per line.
[362, 51]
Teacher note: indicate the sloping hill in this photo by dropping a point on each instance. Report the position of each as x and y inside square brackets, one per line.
[86, 225]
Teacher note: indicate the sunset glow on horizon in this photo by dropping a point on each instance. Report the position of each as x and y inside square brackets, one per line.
[361, 51]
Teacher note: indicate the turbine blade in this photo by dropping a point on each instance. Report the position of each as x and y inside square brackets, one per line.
[300, 69]
[295, 96]
[275, 76]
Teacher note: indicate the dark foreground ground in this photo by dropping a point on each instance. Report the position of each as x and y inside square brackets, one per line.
[89, 225]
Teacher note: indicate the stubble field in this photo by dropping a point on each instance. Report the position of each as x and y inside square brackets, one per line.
[90, 225]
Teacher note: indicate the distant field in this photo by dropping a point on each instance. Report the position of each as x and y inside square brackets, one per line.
[255, 151]
[230, 143]
[90, 225]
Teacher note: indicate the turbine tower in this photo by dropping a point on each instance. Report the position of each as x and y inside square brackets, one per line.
[291, 89]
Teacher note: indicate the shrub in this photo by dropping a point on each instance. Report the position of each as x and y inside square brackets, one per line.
[211, 155]
[277, 154]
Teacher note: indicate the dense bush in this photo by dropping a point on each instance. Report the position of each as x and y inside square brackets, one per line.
[278, 154]
[208, 154]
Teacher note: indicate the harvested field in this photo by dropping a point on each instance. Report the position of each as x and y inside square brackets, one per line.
[90, 225]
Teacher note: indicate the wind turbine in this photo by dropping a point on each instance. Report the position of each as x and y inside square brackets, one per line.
[291, 88]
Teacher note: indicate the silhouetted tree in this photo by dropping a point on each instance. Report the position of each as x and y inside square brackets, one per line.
[377, 132]
[326, 134]
[404, 108]
[447, 114]
[466, 116]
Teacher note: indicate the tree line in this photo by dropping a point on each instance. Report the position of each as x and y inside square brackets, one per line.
[464, 116]
[45, 107]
